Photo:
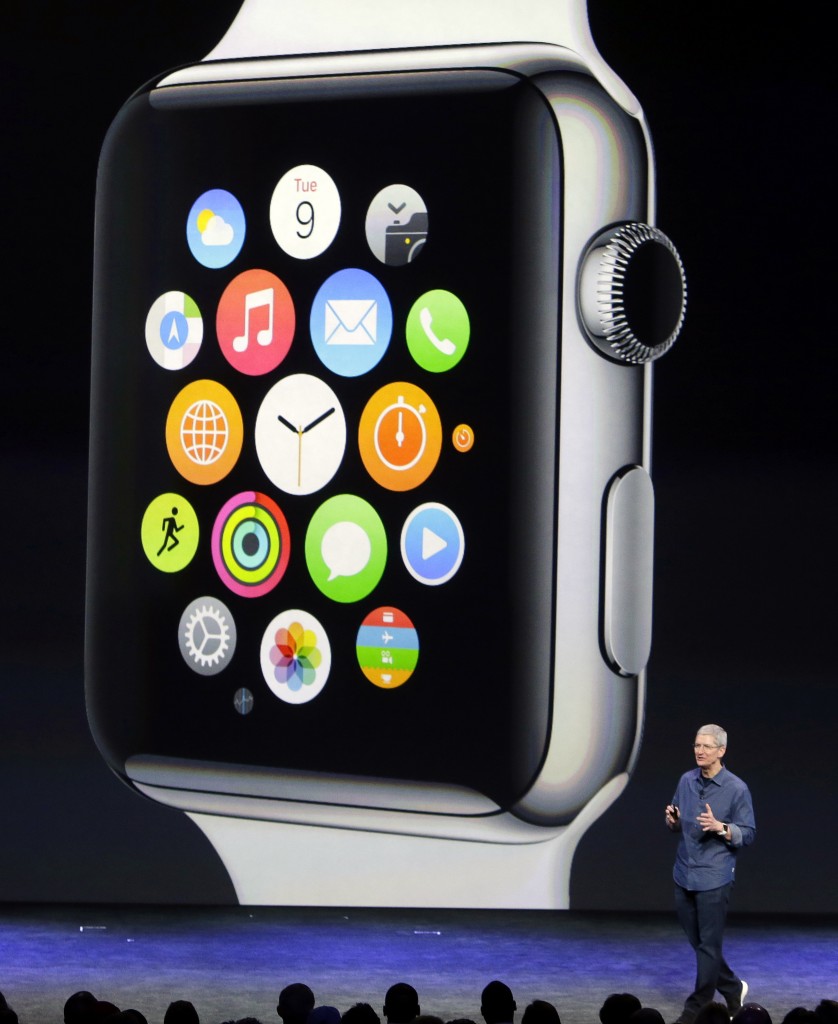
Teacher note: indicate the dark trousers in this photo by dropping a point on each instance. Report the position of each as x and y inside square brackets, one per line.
[702, 916]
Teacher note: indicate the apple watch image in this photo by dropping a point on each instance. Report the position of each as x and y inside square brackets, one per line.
[371, 520]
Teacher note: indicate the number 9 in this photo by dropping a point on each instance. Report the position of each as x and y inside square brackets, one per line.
[305, 221]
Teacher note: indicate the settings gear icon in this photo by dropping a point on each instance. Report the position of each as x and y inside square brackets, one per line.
[207, 635]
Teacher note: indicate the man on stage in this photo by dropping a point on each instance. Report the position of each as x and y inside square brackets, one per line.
[713, 812]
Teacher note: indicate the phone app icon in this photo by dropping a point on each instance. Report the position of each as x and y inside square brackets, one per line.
[255, 322]
[387, 647]
[300, 434]
[207, 635]
[400, 436]
[432, 544]
[295, 656]
[170, 532]
[346, 548]
[351, 322]
[437, 330]
[174, 330]
[305, 211]
[251, 544]
[397, 225]
[204, 432]
[215, 228]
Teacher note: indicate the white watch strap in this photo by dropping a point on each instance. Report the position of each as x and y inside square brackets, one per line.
[264, 28]
[278, 864]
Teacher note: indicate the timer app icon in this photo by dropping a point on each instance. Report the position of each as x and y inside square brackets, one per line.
[400, 436]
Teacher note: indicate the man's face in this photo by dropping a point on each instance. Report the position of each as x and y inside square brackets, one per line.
[708, 755]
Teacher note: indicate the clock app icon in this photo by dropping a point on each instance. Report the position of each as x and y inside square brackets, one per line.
[300, 434]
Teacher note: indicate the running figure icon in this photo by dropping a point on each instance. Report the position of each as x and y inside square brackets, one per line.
[172, 529]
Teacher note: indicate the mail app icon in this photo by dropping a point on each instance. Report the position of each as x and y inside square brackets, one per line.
[351, 321]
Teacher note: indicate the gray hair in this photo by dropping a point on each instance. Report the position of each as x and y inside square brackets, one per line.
[716, 731]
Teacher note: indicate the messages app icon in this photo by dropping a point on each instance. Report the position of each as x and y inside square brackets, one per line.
[346, 548]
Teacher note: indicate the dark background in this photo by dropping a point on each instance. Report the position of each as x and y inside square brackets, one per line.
[741, 113]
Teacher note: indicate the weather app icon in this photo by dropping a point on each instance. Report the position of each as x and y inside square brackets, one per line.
[215, 228]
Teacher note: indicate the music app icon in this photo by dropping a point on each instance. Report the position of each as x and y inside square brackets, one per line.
[255, 322]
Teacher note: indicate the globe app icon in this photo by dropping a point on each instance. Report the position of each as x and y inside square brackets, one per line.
[204, 432]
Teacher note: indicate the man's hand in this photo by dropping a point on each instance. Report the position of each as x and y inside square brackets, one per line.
[673, 818]
[708, 822]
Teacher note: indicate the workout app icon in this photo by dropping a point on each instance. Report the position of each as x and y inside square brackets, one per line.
[397, 225]
[400, 436]
[207, 635]
[351, 322]
[437, 331]
[300, 434]
[432, 544]
[215, 228]
[251, 544]
[169, 532]
[295, 656]
[387, 647]
[346, 548]
[174, 330]
[204, 432]
[255, 322]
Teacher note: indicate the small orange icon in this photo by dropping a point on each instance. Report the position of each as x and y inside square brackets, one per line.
[400, 436]
[463, 437]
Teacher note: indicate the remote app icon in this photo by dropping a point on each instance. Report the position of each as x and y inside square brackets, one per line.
[387, 647]
[432, 544]
[400, 436]
[255, 322]
[204, 432]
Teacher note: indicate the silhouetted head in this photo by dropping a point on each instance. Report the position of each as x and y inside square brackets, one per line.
[752, 1013]
[360, 1013]
[497, 1004]
[80, 1008]
[295, 1003]
[181, 1011]
[618, 1007]
[401, 1003]
[541, 1012]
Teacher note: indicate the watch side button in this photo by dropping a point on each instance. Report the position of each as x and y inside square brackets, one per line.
[628, 544]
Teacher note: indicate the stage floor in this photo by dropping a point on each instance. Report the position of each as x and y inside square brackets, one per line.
[232, 962]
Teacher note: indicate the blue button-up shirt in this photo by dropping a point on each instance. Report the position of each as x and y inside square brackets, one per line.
[704, 860]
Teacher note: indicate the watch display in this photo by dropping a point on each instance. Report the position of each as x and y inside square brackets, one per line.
[324, 467]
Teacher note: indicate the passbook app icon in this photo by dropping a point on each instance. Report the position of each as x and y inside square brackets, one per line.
[351, 322]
